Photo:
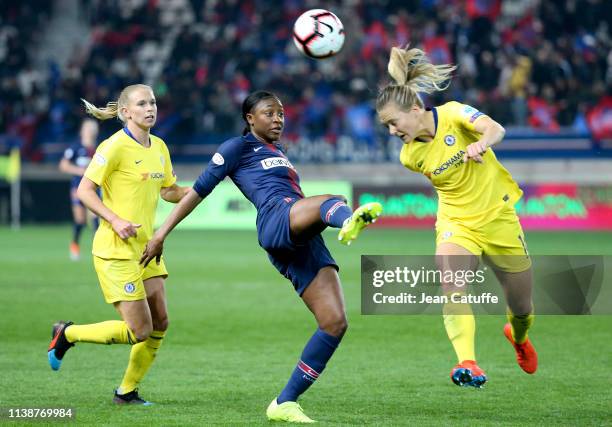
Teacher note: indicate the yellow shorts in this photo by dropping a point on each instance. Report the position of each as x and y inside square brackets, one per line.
[122, 279]
[501, 241]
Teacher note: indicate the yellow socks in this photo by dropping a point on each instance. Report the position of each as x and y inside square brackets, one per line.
[141, 359]
[117, 332]
[461, 329]
[520, 326]
[109, 332]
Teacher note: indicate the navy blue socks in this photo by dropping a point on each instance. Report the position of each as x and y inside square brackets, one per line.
[76, 232]
[334, 212]
[314, 358]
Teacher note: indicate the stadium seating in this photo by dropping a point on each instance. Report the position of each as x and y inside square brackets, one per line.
[532, 67]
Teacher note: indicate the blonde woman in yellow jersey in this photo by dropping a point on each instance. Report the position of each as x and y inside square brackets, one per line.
[133, 168]
[451, 145]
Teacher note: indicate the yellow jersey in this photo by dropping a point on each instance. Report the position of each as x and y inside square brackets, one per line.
[131, 177]
[471, 194]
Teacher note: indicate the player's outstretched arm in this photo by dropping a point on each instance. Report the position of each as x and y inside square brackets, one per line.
[87, 193]
[155, 246]
[492, 133]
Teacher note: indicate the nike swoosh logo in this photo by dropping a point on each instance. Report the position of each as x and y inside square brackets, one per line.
[257, 149]
[137, 161]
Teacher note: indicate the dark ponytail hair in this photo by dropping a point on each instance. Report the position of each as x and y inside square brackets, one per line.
[250, 102]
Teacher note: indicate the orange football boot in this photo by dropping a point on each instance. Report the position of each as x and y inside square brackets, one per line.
[526, 356]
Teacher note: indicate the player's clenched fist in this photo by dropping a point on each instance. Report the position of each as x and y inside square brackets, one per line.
[475, 151]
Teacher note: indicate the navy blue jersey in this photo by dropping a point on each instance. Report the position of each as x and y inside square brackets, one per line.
[261, 171]
[79, 156]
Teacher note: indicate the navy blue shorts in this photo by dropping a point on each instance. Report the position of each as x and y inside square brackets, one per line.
[298, 262]
[73, 197]
[74, 185]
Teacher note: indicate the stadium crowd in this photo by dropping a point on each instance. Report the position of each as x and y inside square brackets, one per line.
[540, 63]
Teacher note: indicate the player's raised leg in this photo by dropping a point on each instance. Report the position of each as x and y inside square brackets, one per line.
[362, 217]
[130, 301]
[459, 320]
[143, 354]
[66, 334]
[324, 299]
[518, 289]
[312, 215]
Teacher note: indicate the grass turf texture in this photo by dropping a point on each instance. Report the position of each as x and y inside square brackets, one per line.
[237, 328]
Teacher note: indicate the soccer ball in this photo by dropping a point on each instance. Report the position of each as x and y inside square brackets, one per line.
[318, 33]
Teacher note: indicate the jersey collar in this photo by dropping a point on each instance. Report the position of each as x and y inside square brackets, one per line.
[249, 137]
[127, 131]
[435, 115]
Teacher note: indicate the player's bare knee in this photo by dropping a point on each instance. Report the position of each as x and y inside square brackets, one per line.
[335, 325]
[342, 326]
[140, 337]
[161, 324]
[143, 332]
[520, 308]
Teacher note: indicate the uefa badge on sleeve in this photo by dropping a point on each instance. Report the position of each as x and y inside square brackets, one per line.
[218, 159]
[99, 158]
[449, 140]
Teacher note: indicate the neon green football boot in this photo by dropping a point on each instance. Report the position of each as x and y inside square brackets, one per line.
[290, 412]
[361, 218]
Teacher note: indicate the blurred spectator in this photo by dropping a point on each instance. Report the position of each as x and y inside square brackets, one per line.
[600, 119]
[544, 63]
[542, 110]
[517, 86]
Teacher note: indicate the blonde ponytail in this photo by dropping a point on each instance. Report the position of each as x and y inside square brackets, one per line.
[412, 68]
[413, 73]
[105, 113]
[113, 109]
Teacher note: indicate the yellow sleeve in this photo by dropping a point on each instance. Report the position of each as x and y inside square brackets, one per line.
[465, 115]
[103, 163]
[169, 175]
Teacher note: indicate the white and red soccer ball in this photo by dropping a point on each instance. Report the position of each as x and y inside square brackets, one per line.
[318, 33]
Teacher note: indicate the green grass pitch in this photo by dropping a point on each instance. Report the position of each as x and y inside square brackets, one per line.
[237, 329]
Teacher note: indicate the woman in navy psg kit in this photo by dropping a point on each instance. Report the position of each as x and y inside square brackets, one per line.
[289, 228]
[74, 162]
